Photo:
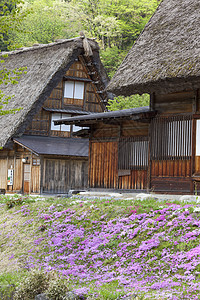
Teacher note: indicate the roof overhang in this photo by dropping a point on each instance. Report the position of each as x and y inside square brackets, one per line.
[71, 110]
[161, 86]
[39, 145]
[141, 114]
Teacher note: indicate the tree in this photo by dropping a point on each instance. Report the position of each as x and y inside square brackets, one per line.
[122, 102]
[6, 77]
[10, 18]
[46, 21]
[116, 24]
[126, 19]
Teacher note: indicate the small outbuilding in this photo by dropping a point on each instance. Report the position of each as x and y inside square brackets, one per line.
[63, 79]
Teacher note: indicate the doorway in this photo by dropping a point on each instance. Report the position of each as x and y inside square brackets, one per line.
[26, 179]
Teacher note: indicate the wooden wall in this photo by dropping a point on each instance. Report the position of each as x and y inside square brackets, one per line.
[137, 180]
[171, 153]
[174, 103]
[41, 123]
[104, 169]
[26, 178]
[63, 174]
[171, 176]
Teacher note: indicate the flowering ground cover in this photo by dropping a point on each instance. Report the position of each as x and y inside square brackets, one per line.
[108, 247]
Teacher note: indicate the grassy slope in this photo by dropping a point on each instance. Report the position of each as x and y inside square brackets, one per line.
[109, 247]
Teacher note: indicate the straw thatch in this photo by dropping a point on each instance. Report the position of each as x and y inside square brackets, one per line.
[166, 56]
[46, 64]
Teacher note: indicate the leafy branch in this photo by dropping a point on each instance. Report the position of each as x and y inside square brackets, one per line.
[6, 77]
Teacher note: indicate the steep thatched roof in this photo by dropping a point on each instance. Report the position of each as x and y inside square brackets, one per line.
[46, 64]
[166, 56]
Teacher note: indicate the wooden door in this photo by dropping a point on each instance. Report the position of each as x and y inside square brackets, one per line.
[62, 175]
[26, 178]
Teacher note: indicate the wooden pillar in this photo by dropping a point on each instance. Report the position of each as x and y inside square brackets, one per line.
[41, 174]
[152, 101]
[193, 151]
[149, 159]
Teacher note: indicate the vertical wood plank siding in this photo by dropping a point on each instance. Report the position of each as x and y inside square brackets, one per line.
[137, 180]
[61, 175]
[103, 171]
[35, 179]
[103, 165]
[41, 123]
[3, 173]
[133, 156]
[133, 153]
[171, 153]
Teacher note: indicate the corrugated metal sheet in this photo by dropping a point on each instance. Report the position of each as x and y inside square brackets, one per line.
[55, 145]
[105, 115]
[68, 110]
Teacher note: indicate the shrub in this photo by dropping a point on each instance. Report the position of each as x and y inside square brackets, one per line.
[13, 202]
[35, 283]
[57, 289]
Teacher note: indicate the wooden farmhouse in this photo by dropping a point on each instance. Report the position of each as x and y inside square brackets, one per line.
[63, 79]
[153, 148]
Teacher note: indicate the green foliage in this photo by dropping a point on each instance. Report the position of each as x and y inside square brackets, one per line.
[110, 291]
[46, 22]
[11, 17]
[6, 77]
[10, 20]
[115, 23]
[122, 102]
[112, 58]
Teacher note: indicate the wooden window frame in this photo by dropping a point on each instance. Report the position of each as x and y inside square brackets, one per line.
[74, 84]
[60, 126]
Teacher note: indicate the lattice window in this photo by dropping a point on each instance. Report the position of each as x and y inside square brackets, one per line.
[171, 138]
[133, 153]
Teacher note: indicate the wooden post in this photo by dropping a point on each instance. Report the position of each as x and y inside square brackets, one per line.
[152, 101]
[193, 150]
[149, 159]
[41, 173]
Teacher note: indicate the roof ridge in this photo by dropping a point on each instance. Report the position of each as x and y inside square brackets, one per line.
[41, 46]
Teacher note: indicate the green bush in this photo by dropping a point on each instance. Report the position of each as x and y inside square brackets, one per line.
[57, 289]
[35, 283]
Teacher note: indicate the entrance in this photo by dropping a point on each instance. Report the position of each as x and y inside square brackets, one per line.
[26, 178]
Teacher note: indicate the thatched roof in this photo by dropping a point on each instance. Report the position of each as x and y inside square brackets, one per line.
[46, 64]
[166, 56]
